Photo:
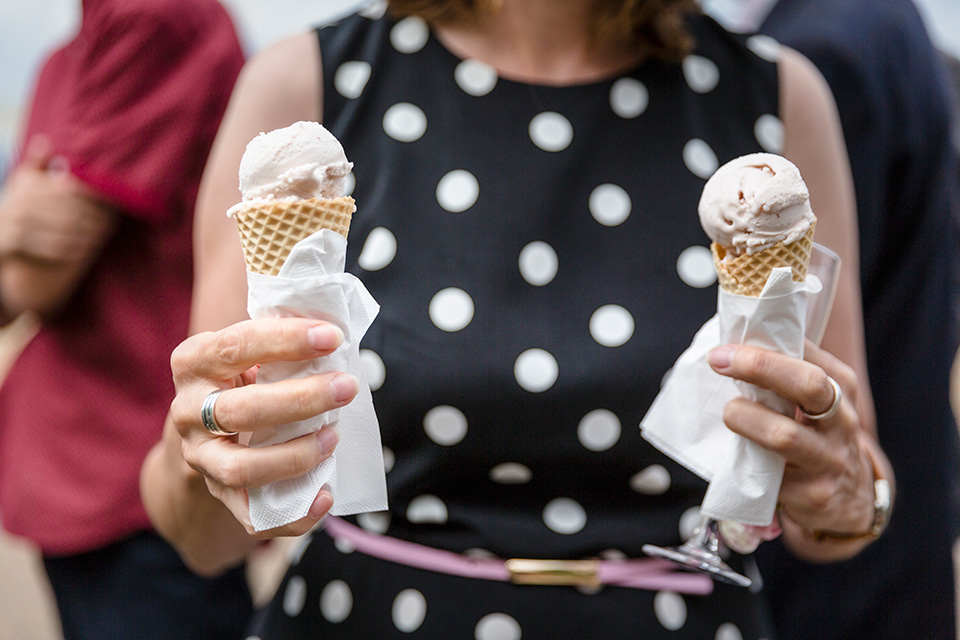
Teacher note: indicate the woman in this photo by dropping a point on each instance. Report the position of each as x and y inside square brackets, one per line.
[537, 164]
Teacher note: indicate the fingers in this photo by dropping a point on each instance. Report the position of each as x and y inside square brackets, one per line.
[37, 152]
[268, 405]
[799, 381]
[798, 444]
[221, 355]
[845, 376]
[237, 501]
[235, 466]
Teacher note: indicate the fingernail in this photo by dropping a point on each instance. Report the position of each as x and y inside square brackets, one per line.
[344, 387]
[321, 505]
[325, 337]
[328, 439]
[721, 357]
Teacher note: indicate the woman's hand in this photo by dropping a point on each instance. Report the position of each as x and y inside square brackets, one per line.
[828, 480]
[228, 360]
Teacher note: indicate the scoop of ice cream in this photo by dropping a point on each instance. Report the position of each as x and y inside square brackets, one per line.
[755, 201]
[301, 161]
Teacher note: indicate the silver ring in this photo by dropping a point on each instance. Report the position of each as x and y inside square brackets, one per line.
[206, 415]
[837, 397]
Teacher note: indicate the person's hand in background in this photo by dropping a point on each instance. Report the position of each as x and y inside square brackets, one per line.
[46, 214]
[52, 229]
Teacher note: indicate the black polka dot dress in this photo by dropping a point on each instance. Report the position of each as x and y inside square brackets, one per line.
[540, 265]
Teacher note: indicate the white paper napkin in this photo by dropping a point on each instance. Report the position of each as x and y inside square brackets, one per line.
[686, 419]
[312, 284]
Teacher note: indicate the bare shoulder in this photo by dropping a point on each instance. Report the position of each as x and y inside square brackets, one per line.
[813, 140]
[806, 102]
[283, 81]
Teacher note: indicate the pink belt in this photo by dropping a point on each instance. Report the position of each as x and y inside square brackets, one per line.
[646, 573]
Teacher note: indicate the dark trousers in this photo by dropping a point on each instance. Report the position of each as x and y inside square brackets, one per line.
[139, 589]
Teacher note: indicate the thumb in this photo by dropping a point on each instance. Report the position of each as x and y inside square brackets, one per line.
[38, 151]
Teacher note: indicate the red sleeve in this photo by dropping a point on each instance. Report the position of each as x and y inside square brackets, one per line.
[134, 102]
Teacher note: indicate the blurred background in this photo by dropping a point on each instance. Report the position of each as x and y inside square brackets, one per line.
[31, 28]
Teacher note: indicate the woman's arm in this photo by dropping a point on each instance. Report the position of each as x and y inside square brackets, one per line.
[813, 141]
[828, 482]
[279, 86]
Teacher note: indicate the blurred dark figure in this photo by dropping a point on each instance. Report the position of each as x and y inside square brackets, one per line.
[95, 239]
[894, 98]
[953, 68]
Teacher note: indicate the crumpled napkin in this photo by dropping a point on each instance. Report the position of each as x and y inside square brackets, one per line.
[686, 419]
[312, 284]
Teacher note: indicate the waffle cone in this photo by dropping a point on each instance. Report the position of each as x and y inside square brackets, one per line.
[746, 275]
[269, 230]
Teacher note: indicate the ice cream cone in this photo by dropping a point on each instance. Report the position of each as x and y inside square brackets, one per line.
[270, 229]
[746, 275]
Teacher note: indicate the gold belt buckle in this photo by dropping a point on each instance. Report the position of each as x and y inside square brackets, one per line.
[554, 572]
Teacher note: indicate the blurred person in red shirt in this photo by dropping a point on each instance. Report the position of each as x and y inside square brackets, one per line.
[95, 240]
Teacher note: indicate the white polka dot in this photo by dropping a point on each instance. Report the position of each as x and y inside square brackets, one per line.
[404, 122]
[497, 626]
[629, 97]
[349, 184]
[374, 521]
[476, 552]
[609, 204]
[445, 425]
[702, 74]
[511, 473]
[294, 596]
[538, 263]
[671, 609]
[695, 267]
[373, 368]
[343, 545]
[700, 158]
[475, 77]
[765, 47]
[295, 554]
[599, 430]
[728, 631]
[253, 638]
[375, 11]
[564, 515]
[611, 325]
[536, 370]
[336, 601]
[451, 309]
[551, 131]
[457, 191]
[409, 35]
[351, 77]
[409, 610]
[613, 555]
[427, 509]
[652, 481]
[769, 133]
[379, 250]
[389, 459]
[689, 521]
